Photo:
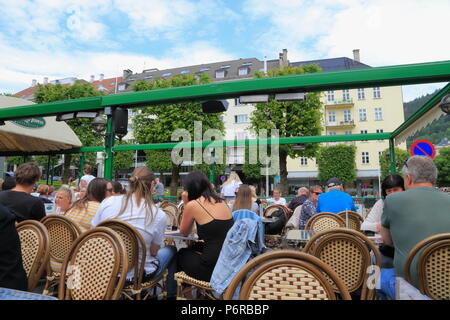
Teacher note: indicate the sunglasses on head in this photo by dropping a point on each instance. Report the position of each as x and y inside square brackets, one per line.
[109, 190]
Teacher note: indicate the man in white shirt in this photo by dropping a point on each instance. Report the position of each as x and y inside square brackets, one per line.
[87, 178]
[276, 198]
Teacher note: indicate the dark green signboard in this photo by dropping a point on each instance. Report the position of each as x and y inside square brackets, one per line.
[32, 123]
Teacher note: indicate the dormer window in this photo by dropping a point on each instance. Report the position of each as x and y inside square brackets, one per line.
[220, 74]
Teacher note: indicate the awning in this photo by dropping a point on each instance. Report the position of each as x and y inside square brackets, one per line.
[428, 113]
[36, 134]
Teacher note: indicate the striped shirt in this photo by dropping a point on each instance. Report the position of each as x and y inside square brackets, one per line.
[83, 216]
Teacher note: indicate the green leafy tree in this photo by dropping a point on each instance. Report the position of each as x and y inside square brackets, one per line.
[292, 119]
[158, 161]
[385, 164]
[122, 159]
[155, 124]
[337, 162]
[81, 127]
[442, 162]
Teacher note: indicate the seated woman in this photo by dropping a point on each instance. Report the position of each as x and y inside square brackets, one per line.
[137, 208]
[43, 193]
[83, 210]
[64, 199]
[213, 219]
[391, 184]
[244, 200]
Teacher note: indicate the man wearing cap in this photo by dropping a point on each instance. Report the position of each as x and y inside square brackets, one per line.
[335, 200]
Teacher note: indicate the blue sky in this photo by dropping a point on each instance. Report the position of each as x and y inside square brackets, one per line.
[57, 39]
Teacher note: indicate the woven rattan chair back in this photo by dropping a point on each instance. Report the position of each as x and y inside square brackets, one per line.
[95, 268]
[354, 219]
[348, 253]
[272, 208]
[433, 266]
[172, 208]
[324, 221]
[35, 247]
[62, 232]
[171, 217]
[286, 274]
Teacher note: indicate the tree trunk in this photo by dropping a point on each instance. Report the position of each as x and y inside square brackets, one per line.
[66, 172]
[175, 179]
[284, 186]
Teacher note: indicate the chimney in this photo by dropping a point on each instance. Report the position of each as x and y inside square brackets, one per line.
[45, 80]
[283, 61]
[127, 73]
[33, 82]
[92, 78]
[356, 55]
[101, 76]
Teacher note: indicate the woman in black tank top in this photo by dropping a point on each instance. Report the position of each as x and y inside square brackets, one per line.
[200, 265]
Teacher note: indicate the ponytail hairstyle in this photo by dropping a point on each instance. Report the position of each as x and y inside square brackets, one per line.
[141, 186]
[96, 191]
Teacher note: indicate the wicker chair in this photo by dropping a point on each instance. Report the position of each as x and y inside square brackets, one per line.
[348, 253]
[186, 285]
[287, 275]
[354, 219]
[35, 247]
[95, 268]
[324, 221]
[62, 232]
[172, 208]
[136, 249]
[433, 266]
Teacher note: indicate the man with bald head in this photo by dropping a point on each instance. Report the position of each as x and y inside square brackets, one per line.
[302, 195]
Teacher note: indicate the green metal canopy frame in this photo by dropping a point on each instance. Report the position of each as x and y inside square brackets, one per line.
[356, 78]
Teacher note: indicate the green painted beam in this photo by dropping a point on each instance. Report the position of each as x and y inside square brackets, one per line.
[347, 79]
[77, 150]
[224, 143]
[422, 110]
[51, 108]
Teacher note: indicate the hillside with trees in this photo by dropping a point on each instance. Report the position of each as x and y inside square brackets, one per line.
[436, 131]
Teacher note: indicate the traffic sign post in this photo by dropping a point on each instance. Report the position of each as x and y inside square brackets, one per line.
[423, 148]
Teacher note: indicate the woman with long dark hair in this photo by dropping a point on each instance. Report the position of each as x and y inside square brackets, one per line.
[83, 210]
[137, 208]
[213, 219]
[391, 184]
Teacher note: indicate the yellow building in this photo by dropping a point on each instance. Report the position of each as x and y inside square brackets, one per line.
[365, 110]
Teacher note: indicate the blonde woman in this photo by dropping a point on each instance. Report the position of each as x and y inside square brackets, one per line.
[63, 199]
[244, 200]
[138, 209]
[229, 187]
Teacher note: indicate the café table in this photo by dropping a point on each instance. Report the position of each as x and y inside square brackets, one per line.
[297, 238]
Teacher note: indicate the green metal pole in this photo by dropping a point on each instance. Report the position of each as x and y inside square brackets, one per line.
[53, 171]
[109, 144]
[392, 156]
[80, 173]
[48, 168]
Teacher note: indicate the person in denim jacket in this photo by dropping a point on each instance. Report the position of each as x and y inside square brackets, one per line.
[239, 245]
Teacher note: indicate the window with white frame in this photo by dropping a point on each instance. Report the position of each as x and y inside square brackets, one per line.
[345, 95]
[303, 161]
[121, 87]
[237, 103]
[378, 114]
[376, 93]
[332, 133]
[362, 115]
[243, 71]
[348, 131]
[363, 131]
[365, 157]
[220, 74]
[380, 131]
[241, 118]
[361, 94]
[331, 116]
[330, 96]
[347, 115]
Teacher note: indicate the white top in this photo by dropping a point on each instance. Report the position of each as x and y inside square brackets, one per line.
[281, 201]
[153, 233]
[88, 178]
[230, 189]
[374, 217]
[294, 221]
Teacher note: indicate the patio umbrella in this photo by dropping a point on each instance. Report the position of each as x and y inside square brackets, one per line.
[36, 134]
